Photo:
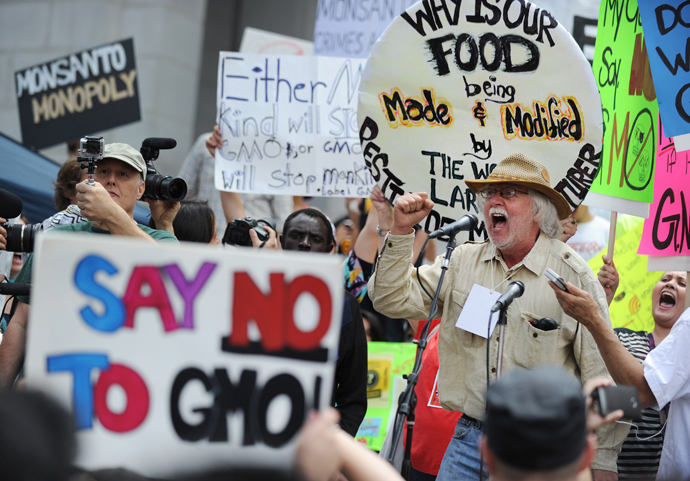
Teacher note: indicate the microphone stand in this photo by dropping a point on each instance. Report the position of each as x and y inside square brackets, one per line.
[408, 399]
[502, 322]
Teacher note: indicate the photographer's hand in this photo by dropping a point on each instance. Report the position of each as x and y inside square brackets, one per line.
[594, 419]
[271, 243]
[3, 235]
[163, 213]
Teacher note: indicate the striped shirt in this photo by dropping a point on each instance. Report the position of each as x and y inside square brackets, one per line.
[641, 451]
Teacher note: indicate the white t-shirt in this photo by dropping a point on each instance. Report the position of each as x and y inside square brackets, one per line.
[667, 371]
[591, 238]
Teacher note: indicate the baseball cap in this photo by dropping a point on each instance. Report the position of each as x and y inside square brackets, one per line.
[536, 419]
[127, 154]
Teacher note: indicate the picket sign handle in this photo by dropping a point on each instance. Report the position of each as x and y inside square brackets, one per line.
[612, 233]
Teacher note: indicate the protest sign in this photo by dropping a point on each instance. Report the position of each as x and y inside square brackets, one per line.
[289, 126]
[350, 29]
[78, 94]
[667, 229]
[388, 362]
[621, 67]
[666, 32]
[255, 40]
[179, 358]
[632, 305]
[451, 90]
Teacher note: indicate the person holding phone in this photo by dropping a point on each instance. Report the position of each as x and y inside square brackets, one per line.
[663, 377]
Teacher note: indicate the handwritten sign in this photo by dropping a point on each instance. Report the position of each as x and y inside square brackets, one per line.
[666, 30]
[452, 89]
[167, 354]
[388, 362]
[621, 67]
[667, 230]
[78, 94]
[631, 307]
[255, 40]
[289, 126]
[350, 29]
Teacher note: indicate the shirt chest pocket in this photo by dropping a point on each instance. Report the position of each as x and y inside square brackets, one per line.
[531, 346]
[467, 339]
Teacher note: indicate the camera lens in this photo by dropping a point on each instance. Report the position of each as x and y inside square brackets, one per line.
[20, 238]
[164, 187]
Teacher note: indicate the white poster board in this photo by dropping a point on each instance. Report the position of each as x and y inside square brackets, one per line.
[289, 126]
[255, 40]
[450, 91]
[181, 358]
[350, 29]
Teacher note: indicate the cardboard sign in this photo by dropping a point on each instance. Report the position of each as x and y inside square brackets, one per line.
[180, 358]
[452, 88]
[621, 67]
[667, 229]
[666, 31]
[388, 362]
[78, 94]
[289, 126]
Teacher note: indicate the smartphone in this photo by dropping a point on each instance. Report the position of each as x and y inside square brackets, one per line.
[556, 279]
[609, 398]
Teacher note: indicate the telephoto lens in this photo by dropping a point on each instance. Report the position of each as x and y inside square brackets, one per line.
[21, 238]
[164, 187]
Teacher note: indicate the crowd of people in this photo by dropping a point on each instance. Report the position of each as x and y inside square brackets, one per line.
[487, 407]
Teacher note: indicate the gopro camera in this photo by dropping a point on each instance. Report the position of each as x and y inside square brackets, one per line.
[91, 148]
[610, 398]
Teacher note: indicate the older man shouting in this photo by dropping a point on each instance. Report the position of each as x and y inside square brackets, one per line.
[522, 214]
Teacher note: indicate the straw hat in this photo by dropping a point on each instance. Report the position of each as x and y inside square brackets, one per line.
[523, 170]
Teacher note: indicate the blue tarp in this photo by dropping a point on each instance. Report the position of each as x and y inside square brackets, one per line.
[30, 176]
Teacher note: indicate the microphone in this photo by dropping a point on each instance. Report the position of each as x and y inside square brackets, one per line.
[515, 289]
[161, 143]
[10, 204]
[466, 222]
[14, 289]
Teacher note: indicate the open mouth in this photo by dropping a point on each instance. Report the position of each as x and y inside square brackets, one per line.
[498, 220]
[667, 300]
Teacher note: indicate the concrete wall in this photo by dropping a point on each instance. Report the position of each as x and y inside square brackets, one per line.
[168, 37]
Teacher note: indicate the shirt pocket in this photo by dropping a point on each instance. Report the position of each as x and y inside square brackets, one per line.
[531, 346]
[466, 338]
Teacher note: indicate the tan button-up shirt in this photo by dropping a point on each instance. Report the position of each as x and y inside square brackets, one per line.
[462, 376]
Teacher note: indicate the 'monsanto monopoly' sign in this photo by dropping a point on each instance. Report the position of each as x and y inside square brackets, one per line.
[175, 358]
[78, 94]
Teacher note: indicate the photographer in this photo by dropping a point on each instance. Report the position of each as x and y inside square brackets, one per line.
[109, 206]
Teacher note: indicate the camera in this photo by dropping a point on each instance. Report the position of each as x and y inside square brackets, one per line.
[160, 187]
[610, 398]
[91, 148]
[21, 238]
[237, 232]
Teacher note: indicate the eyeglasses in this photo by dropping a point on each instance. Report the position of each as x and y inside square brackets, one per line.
[505, 192]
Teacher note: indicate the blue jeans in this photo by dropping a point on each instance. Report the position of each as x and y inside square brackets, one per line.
[461, 461]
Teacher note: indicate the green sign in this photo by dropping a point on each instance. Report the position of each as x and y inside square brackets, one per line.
[632, 305]
[388, 361]
[630, 109]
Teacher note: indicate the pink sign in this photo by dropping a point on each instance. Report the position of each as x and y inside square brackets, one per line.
[666, 230]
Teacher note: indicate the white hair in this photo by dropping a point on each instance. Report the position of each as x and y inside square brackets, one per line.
[545, 213]
[543, 210]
